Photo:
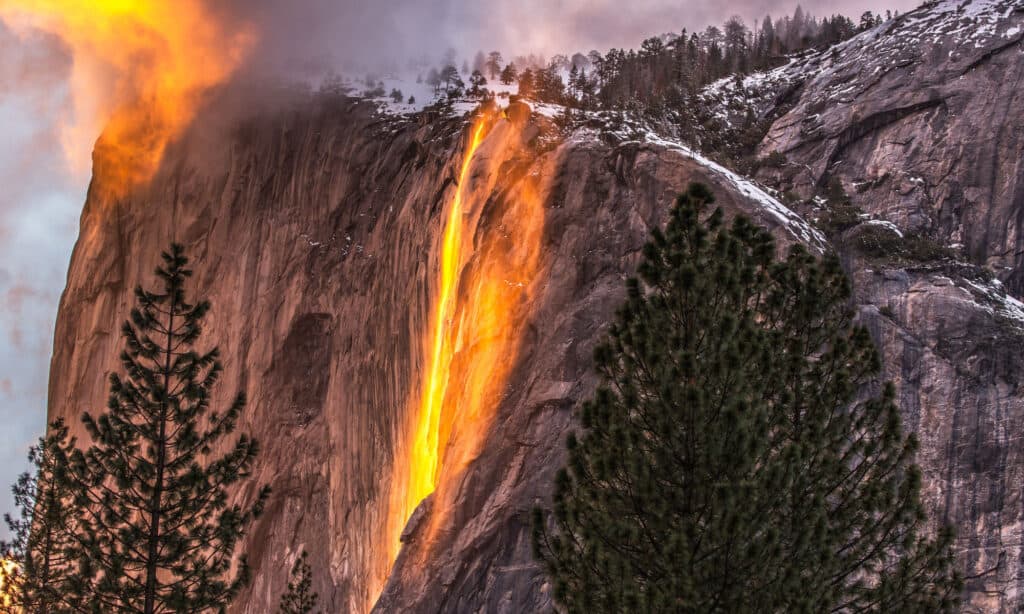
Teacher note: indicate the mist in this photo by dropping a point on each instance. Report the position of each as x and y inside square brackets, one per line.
[310, 37]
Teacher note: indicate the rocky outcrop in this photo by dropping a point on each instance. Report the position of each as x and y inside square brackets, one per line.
[952, 346]
[920, 120]
[315, 233]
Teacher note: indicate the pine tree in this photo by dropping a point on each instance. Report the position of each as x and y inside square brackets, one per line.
[509, 74]
[453, 84]
[493, 65]
[479, 63]
[478, 85]
[526, 83]
[434, 80]
[574, 83]
[39, 564]
[158, 529]
[730, 460]
[299, 598]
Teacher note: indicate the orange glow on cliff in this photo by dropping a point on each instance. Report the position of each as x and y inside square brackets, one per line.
[490, 253]
[426, 448]
[140, 70]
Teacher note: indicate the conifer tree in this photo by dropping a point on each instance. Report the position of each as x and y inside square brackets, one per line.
[38, 560]
[509, 74]
[478, 85]
[158, 528]
[493, 65]
[731, 460]
[300, 598]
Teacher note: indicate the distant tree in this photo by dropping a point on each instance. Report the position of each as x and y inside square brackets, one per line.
[766, 47]
[412, 100]
[867, 21]
[453, 84]
[736, 46]
[559, 62]
[731, 460]
[580, 61]
[652, 47]
[397, 95]
[479, 63]
[158, 528]
[798, 28]
[375, 92]
[509, 74]
[526, 84]
[548, 84]
[586, 88]
[448, 57]
[478, 85]
[40, 567]
[434, 80]
[465, 67]
[300, 598]
[493, 65]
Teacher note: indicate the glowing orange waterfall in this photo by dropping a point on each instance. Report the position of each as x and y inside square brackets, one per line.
[424, 460]
[490, 253]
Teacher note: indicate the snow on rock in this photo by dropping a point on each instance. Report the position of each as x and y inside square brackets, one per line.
[795, 224]
[858, 64]
[992, 297]
[886, 224]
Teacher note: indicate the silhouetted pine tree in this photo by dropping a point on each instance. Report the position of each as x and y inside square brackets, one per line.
[43, 534]
[158, 529]
[730, 462]
[299, 598]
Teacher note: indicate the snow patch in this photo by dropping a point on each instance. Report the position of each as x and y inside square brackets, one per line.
[795, 224]
[998, 301]
[886, 224]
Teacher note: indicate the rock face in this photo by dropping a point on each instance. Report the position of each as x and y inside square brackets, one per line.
[316, 232]
[922, 122]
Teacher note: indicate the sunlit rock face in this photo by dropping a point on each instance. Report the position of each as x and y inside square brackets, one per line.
[318, 233]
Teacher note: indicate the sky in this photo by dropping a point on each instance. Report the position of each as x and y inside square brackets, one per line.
[42, 191]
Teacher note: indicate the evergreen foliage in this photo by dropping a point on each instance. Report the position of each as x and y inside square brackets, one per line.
[300, 598]
[39, 557]
[158, 533]
[493, 65]
[509, 73]
[478, 85]
[731, 460]
[453, 84]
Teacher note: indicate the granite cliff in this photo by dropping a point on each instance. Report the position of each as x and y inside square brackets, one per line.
[318, 227]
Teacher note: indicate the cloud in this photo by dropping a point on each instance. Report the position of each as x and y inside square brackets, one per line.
[39, 207]
[315, 35]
